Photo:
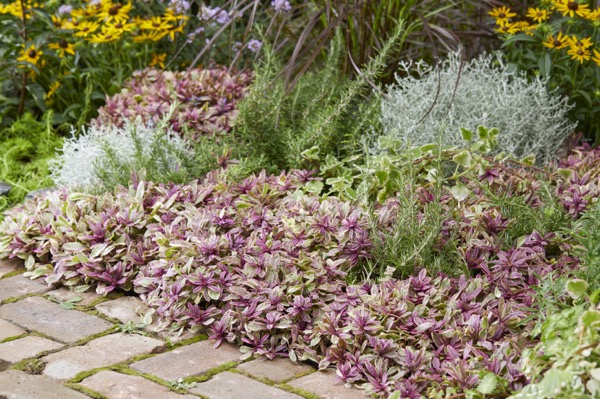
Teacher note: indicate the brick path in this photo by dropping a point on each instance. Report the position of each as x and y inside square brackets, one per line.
[58, 344]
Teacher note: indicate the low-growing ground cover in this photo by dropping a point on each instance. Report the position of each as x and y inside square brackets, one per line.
[264, 264]
[204, 100]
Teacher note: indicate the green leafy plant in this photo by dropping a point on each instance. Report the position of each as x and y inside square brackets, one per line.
[566, 362]
[131, 327]
[324, 113]
[26, 147]
[68, 304]
[587, 235]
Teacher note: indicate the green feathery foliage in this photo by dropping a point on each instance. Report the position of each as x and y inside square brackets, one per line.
[325, 113]
[25, 149]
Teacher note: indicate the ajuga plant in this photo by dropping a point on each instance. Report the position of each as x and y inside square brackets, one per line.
[204, 100]
[325, 113]
[264, 265]
[25, 149]
[483, 91]
[103, 157]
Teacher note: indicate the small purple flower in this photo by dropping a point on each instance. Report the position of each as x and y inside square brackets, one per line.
[281, 5]
[215, 14]
[65, 9]
[179, 6]
[254, 45]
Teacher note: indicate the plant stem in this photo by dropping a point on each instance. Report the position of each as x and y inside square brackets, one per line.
[21, 108]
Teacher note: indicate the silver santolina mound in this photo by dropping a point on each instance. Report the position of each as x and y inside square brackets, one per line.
[530, 120]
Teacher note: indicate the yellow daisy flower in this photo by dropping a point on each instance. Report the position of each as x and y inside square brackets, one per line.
[121, 26]
[158, 59]
[81, 13]
[579, 54]
[72, 24]
[525, 27]
[572, 8]
[31, 55]
[594, 15]
[114, 12]
[507, 28]
[502, 14]
[52, 89]
[537, 14]
[171, 16]
[173, 30]
[155, 23]
[58, 22]
[584, 43]
[148, 36]
[106, 35]
[63, 47]
[596, 57]
[557, 42]
[93, 9]
[86, 28]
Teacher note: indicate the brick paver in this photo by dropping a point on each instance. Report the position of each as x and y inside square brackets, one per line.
[9, 330]
[188, 360]
[49, 318]
[275, 370]
[114, 385]
[18, 385]
[65, 295]
[124, 309]
[100, 352]
[9, 266]
[14, 351]
[36, 313]
[17, 286]
[325, 385]
[228, 385]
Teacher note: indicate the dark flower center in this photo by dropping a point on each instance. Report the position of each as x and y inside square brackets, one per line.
[63, 44]
[114, 10]
[119, 25]
[579, 52]
[557, 42]
[502, 15]
[32, 53]
[573, 6]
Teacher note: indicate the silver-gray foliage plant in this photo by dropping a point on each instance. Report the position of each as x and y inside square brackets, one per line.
[531, 121]
[83, 158]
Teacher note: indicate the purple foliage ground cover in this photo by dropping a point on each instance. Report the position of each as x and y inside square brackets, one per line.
[264, 265]
[206, 99]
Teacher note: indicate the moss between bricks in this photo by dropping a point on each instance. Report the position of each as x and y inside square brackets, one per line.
[30, 365]
[13, 273]
[210, 373]
[281, 385]
[13, 338]
[86, 391]
[298, 391]
[268, 381]
[16, 298]
[85, 340]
